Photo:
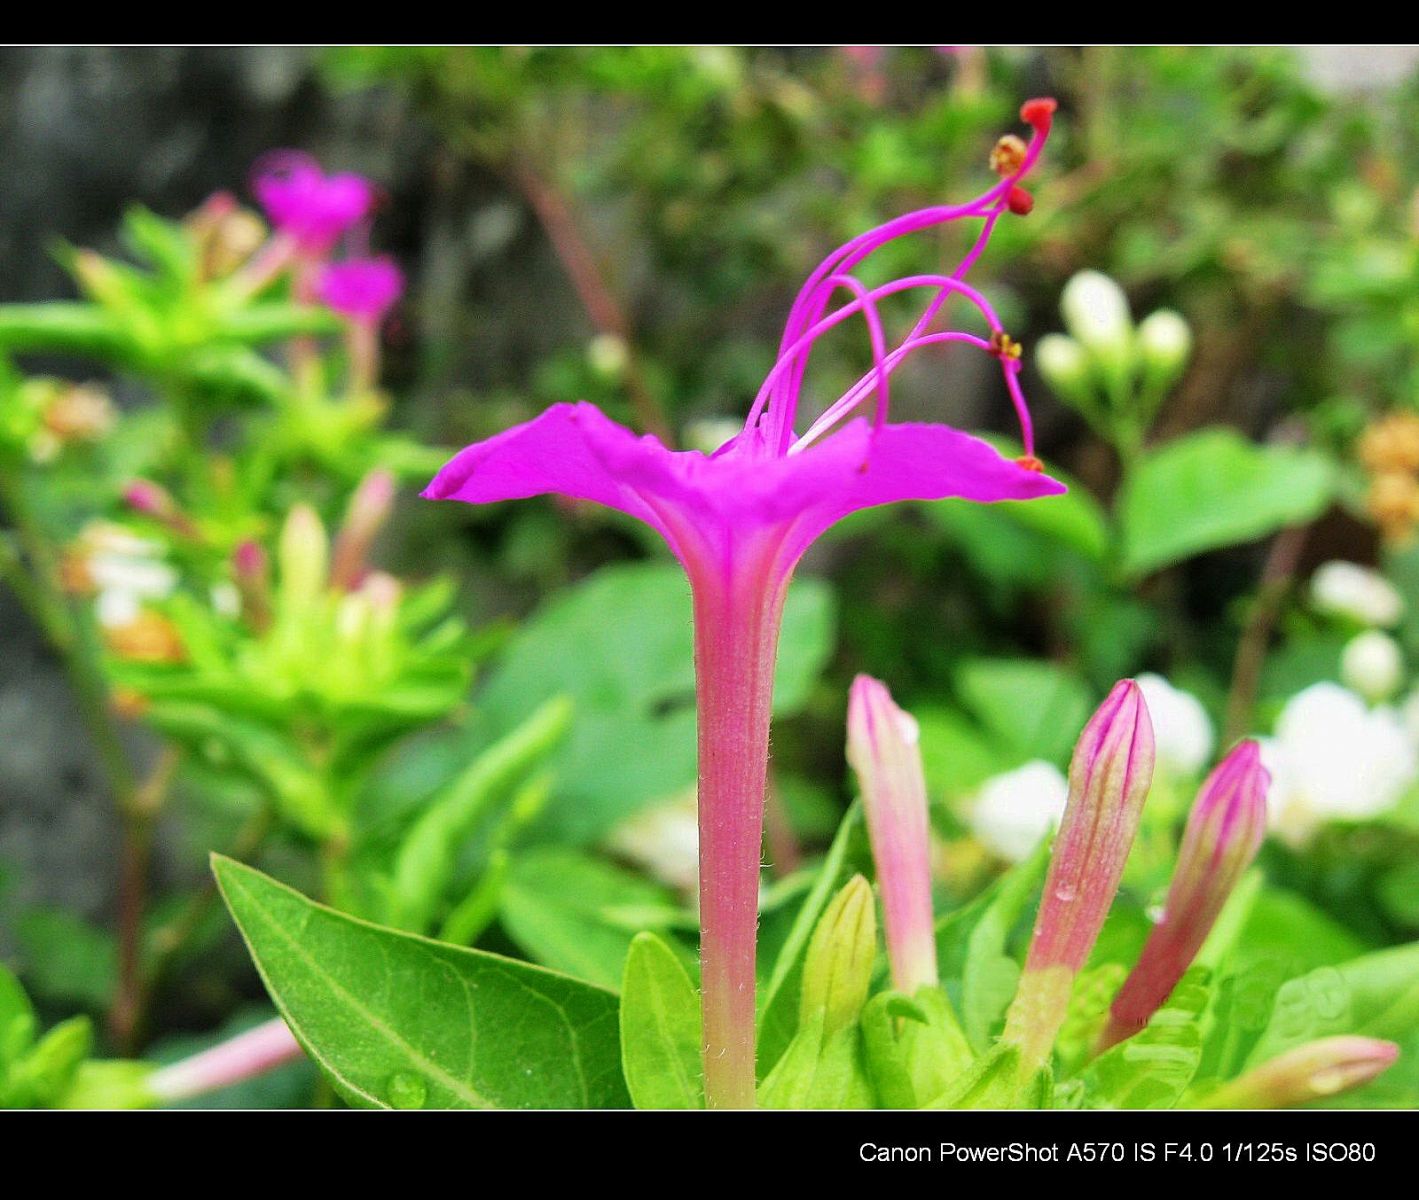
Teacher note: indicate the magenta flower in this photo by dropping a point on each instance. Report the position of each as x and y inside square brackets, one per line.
[739, 520]
[362, 289]
[1109, 777]
[882, 746]
[1224, 832]
[310, 207]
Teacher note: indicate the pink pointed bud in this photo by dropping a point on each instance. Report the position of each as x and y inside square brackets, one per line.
[154, 500]
[882, 746]
[367, 512]
[246, 1056]
[1314, 1071]
[1224, 832]
[1109, 778]
[252, 571]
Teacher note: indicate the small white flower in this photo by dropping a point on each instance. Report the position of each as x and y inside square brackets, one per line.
[1182, 730]
[1372, 665]
[1346, 589]
[1334, 758]
[126, 570]
[1096, 311]
[1012, 812]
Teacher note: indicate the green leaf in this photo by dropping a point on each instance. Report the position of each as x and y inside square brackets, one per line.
[914, 1046]
[424, 864]
[779, 1005]
[17, 1019]
[989, 973]
[67, 959]
[621, 646]
[1376, 995]
[1153, 1068]
[1034, 708]
[660, 1028]
[59, 327]
[1214, 489]
[995, 1081]
[575, 914]
[396, 1020]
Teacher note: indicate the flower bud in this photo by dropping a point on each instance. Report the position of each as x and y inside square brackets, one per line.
[1372, 665]
[837, 969]
[1109, 777]
[304, 555]
[1096, 311]
[1064, 364]
[1164, 344]
[252, 573]
[368, 510]
[1224, 832]
[1314, 1071]
[883, 748]
[1348, 590]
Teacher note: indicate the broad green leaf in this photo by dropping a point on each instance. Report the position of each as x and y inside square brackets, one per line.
[576, 914]
[660, 1028]
[67, 959]
[1213, 489]
[1376, 995]
[779, 1003]
[914, 1046]
[621, 646]
[424, 864]
[1153, 1068]
[399, 1021]
[990, 973]
[1034, 708]
[995, 1080]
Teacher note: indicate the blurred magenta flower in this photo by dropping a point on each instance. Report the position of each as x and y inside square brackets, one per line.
[882, 746]
[362, 289]
[310, 207]
[1109, 777]
[739, 520]
[1224, 832]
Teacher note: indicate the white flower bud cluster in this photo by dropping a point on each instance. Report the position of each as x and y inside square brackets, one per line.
[1115, 373]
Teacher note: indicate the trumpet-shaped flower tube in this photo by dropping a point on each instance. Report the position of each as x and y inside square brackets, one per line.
[1109, 778]
[740, 518]
[882, 748]
[1224, 832]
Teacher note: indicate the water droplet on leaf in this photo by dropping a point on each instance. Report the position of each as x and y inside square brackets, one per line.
[406, 1091]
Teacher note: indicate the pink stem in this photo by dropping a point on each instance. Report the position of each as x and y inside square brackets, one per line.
[737, 617]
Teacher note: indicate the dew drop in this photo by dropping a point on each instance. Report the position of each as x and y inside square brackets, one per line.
[1065, 893]
[405, 1090]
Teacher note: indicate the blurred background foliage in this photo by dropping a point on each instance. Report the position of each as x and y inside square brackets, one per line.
[456, 736]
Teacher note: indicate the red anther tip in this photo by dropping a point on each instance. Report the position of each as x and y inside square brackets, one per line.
[1019, 201]
[1030, 463]
[1038, 112]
